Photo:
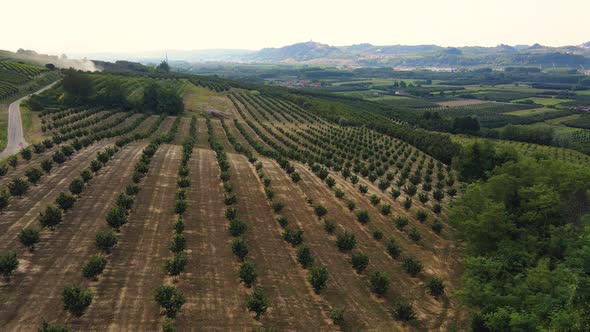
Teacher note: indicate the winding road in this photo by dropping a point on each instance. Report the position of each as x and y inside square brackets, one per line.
[16, 138]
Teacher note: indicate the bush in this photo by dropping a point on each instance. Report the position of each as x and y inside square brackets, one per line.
[392, 248]
[65, 201]
[231, 213]
[363, 216]
[412, 266]
[320, 210]
[168, 326]
[437, 208]
[345, 242]
[105, 240]
[269, 193]
[76, 186]
[304, 257]
[294, 237]
[437, 226]
[377, 234]
[318, 277]
[435, 286]
[408, 203]
[176, 265]
[330, 181]
[169, 298]
[374, 199]
[18, 187]
[329, 226]
[363, 189]
[295, 177]
[277, 206]
[237, 227]
[26, 153]
[282, 220]
[404, 312]
[339, 193]
[132, 189]
[180, 206]
[359, 261]
[401, 222]
[51, 217]
[28, 237]
[178, 243]
[395, 193]
[76, 299]
[33, 175]
[116, 217]
[3, 170]
[415, 235]
[94, 267]
[421, 215]
[351, 205]
[248, 274]
[179, 226]
[58, 157]
[46, 327]
[125, 201]
[337, 315]
[4, 199]
[379, 282]
[8, 264]
[257, 302]
[95, 165]
[239, 248]
[13, 161]
[86, 175]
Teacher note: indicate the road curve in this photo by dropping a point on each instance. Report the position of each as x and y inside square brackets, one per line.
[16, 138]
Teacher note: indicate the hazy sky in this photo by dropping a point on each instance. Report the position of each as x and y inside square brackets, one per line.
[127, 25]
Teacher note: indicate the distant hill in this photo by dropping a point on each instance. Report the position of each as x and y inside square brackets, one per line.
[298, 52]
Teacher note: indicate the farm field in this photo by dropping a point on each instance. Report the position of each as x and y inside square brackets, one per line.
[238, 154]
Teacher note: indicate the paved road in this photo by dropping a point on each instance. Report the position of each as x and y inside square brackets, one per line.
[16, 139]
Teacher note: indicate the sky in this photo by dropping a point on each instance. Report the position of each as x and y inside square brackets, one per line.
[81, 26]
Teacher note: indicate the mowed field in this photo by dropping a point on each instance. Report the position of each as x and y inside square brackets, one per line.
[273, 164]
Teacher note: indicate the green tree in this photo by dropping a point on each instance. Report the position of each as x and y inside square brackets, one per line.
[116, 217]
[379, 282]
[8, 264]
[18, 187]
[304, 256]
[248, 273]
[257, 302]
[170, 299]
[318, 277]
[176, 265]
[51, 217]
[76, 299]
[28, 237]
[94, 267]
[105, 240]
[360, 261]
[4, 199]
[345, 242]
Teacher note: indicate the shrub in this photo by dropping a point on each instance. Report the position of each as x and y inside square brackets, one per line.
[351, 205]
[295, 177]
[33, 175]
[277, 206]
[76, 186]
[94, 267]
[395, 193]
[408, 203]
[3, 170]
[379, 282]
[339, 193]
[67, 150]
[105, 240]
[423, 198]
[435, 286]
[176, 265]
[116, 217]
[329, 226]
[269, 194]
[415, 235]
[386, 209]
[392, 248]
[374, 199]
[412, 266]
[46, 327]
[437, 208]
[18, 187]
[132, 189]
[239, 248]
[257, 302]
[320, 210]
[359, 261]
[58, 157]
[304, 257]
[363, 216]
[231, 213]
[95, 165]
[248, 274]
[237, 227]
[404, 312]
[363, 189]
[438, 195]
[26, 153]
[377, 234]
[51, 217]
[421, 215]
[345, 242]
[437, 226]
[169, 298]
[168, 326]
[125, 201]
[401, 222]
[86, 175]
[282, 220]
[4, 199]
[65, 201]
[330, 181]
[294, 237]
[318, 277]
[13, 161]
[28, 237]
[183, 182]
[180, 206]
[8, 264]
[178, 243]
[76, 299]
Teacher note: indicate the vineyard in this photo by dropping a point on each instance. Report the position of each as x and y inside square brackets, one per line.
[13, 74]
[268, 216]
